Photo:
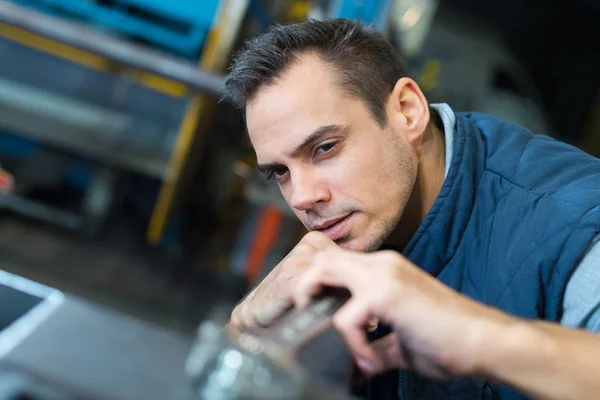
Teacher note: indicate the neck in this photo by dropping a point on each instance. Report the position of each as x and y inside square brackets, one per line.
[429, 181]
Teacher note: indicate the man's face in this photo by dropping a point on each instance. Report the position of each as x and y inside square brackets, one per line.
[337, 168]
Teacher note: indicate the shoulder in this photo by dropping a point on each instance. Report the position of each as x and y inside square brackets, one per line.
[543, 166]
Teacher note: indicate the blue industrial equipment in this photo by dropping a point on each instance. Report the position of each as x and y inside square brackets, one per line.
[374, 12]
[180, 26]
[77, 175]
[56, 103]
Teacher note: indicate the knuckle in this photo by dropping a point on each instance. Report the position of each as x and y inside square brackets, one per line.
[317, 238]
[303, 249]
[239, 317]
[315, 235]
[390, 261]
[237, 311]
[387, 293]
[390, 256]
[340, 322]
[310, 245]
[234, 319]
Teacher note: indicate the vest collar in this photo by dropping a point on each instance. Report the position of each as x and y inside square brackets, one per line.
[437, 238]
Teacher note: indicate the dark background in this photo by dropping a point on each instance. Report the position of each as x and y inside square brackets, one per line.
[557, 42]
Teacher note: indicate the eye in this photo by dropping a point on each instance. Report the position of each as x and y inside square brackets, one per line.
[325, 148]
[277, 173]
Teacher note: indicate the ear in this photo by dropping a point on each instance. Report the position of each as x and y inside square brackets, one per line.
[408, 110]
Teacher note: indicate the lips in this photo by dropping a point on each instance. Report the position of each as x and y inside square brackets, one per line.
[327, 224]
[335, 228]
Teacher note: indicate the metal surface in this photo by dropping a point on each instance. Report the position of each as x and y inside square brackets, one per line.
[85, 351]
[71, 348]
[301, 356]
[24, 305]
[118, 50]
[220, 370]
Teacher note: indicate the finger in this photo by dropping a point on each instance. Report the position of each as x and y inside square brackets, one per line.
[423, 364]
[331, 267]
[349, 322]
[307, 286]
[318, 240]
[249, 323]
[312, 281]
[265, 316]
[358, 377]
[387, 350]
[243, 319]
[342, 268]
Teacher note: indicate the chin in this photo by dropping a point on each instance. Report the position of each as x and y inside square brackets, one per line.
[362, 245]
[351, 245]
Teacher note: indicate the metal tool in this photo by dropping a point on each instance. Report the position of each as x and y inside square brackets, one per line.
[301, 356]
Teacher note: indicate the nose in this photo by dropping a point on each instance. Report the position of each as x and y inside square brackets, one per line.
[307, 190]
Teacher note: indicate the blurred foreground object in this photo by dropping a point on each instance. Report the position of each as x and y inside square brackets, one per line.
[300, 356]
[56, 346]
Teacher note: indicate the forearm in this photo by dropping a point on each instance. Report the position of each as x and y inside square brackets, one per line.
[544, 360]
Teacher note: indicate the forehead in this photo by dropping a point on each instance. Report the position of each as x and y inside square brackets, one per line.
[303, 99]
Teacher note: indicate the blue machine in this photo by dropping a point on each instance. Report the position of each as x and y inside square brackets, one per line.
[179, 26]
[373, 12]
[78, 174]
[143, 121]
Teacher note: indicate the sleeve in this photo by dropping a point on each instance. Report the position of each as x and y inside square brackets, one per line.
[581, 304]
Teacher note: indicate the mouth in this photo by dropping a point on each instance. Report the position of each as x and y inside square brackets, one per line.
[335, 228]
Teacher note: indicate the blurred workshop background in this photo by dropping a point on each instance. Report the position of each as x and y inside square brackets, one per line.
[125, 181]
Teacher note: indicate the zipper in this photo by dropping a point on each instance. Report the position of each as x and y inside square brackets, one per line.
[402, 386]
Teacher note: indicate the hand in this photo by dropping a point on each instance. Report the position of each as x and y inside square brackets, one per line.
[437, 331]
[273, 296]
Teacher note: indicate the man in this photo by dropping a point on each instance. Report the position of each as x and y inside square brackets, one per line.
[468, 237]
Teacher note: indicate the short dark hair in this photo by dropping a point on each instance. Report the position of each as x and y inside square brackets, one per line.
[366, 62]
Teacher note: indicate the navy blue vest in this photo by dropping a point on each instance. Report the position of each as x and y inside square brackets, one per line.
[513, 218]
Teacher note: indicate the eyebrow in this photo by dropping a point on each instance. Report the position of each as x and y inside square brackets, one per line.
[318, 134]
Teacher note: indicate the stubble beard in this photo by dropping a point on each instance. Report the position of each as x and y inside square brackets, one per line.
[406, 173]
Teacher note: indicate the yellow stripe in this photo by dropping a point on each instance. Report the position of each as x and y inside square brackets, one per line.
[185, 137]
[162, 85]
[87, 59]
[162, 207]
[54, 48]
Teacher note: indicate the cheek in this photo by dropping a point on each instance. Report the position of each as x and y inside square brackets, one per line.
[381, 181]
[366, 177]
